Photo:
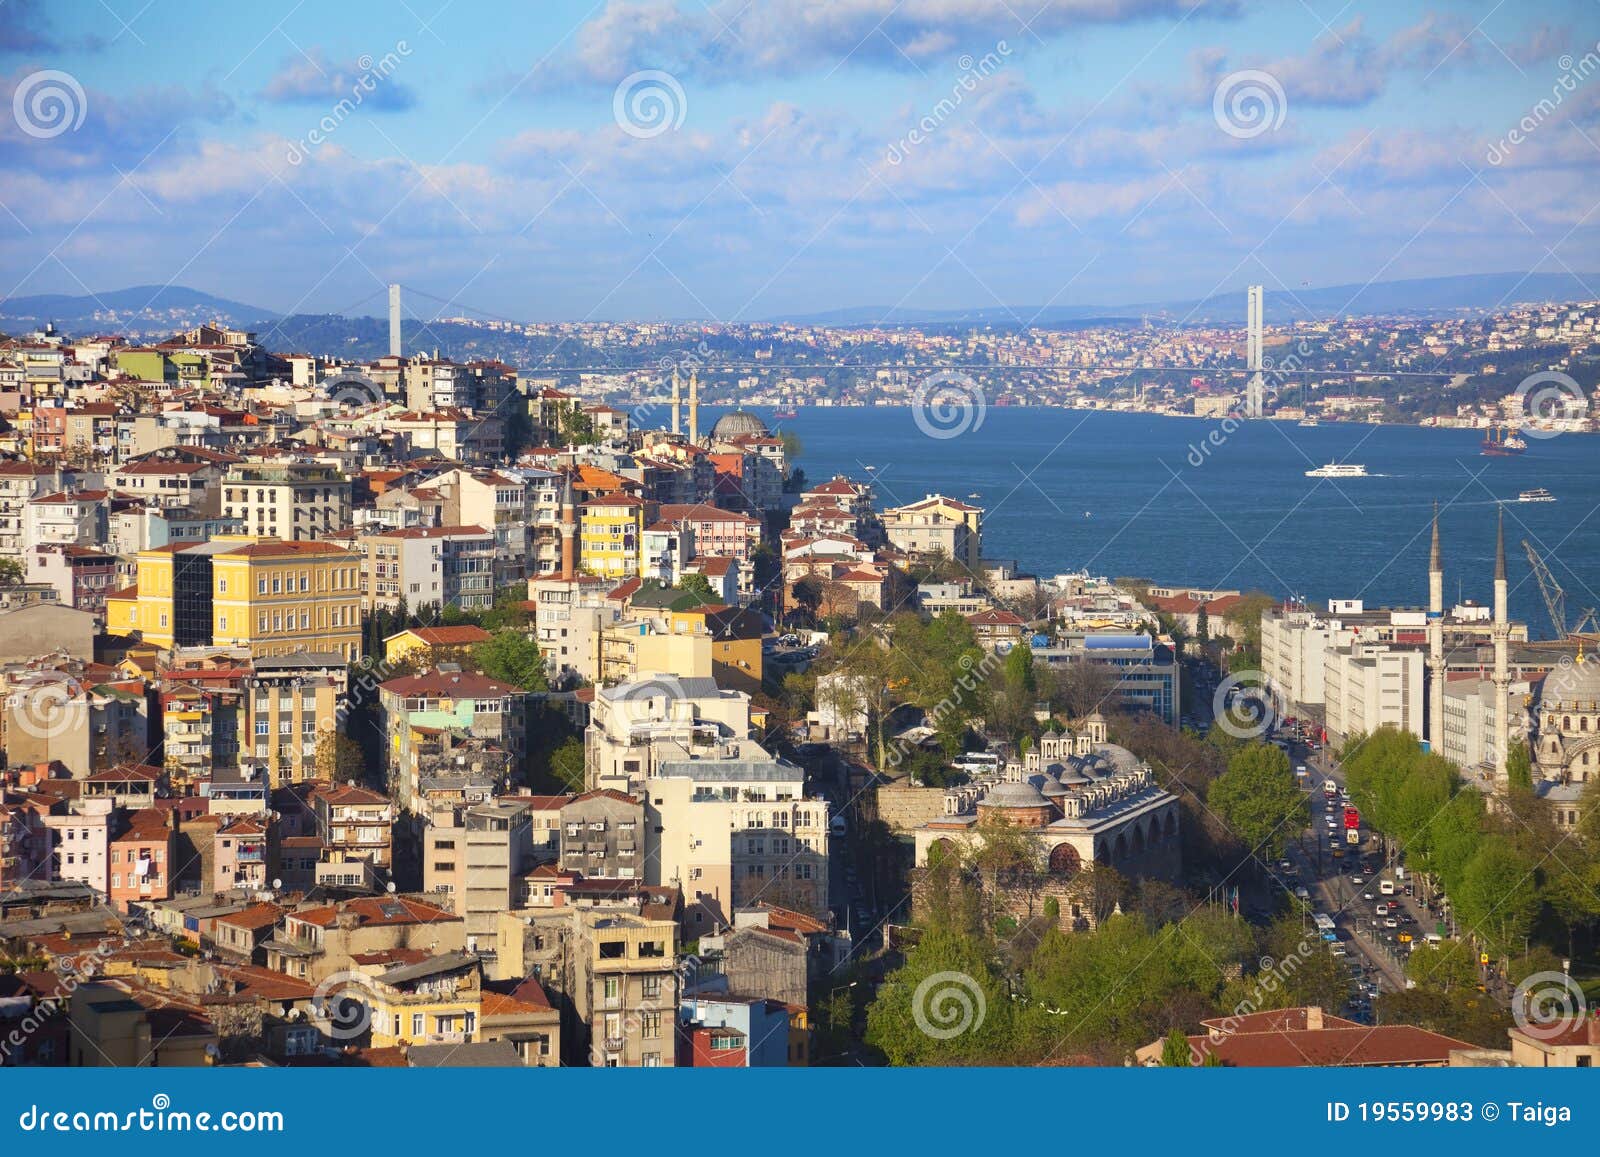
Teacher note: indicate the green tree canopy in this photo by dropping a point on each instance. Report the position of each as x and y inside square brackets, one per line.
[511, 657]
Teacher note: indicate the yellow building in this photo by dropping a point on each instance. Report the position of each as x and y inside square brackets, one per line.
[275, 597]
[429, 646]
[611, 540]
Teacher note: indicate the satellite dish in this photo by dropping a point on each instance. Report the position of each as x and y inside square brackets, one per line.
[277, 885]
[391, 887]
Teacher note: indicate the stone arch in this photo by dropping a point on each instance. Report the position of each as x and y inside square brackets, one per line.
[1065, 860]
[1120, 850]
[1137, 845]
[1171, 825]
[941, 851]
[1155, 829]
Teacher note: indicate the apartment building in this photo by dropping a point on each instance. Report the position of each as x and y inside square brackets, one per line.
[937, 525]
[570, 617]
[634, 726]
[626, 990]
[20, 484]
[611, 539]
[732, 828]
[414, 706]
[433, 566]
[295, 501]
[283, 713]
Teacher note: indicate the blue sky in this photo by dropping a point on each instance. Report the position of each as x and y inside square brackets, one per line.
[789, 156]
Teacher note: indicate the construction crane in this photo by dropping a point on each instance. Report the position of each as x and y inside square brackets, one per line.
[1555, 599]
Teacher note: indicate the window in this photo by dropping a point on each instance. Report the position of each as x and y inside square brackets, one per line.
[612, 950]
[417, 1020]
[651, 986]
[653, 1060]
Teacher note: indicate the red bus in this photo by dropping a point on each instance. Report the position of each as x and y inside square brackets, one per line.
[1352, 818]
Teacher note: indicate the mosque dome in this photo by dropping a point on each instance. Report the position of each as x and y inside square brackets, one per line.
[739, 424]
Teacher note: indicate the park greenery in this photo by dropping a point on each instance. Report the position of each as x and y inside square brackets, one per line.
[1149, 965]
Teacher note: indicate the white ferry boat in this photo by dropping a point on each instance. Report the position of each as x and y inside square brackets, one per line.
[1538, 494]
[1338, 470]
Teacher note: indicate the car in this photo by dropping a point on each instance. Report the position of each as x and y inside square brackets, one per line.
[1300, 893]
[1338, 853]
[1358, 879]
[1368, 896]
[1285, 866]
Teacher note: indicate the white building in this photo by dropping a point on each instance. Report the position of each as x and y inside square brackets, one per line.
[1370, 685]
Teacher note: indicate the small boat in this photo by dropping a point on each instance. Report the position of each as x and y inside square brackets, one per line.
[1308, 422]
[1537, 494]
[1501, 442]
[869, 468]
[1338, 470]
[785, 415]
[974, 494]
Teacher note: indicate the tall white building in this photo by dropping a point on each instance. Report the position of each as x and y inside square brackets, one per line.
[1370, 685]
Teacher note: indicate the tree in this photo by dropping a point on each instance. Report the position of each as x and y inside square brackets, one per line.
[1497, 898]
[511, 657]
[10, 572]
[339, 758]
[1519, 767]
[1259, 799]
[1202, 626]
[567, 764]
[945, 1005]
[1175, 1051]
[699, 586]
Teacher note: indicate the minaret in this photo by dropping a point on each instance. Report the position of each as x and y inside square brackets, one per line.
[1436, 641]
[569, 531]
[694, 406]
[677, 403]
[1502, 641]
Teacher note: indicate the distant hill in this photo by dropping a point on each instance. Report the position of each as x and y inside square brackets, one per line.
[1481, 291]
[148, 311]
[139, 309]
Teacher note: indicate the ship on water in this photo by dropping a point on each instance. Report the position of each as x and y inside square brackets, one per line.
[1502, 442]
[1338, 470]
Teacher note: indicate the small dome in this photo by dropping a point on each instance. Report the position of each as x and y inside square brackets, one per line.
[739, 424]
[1073, 777]
[1054, 788]
[1013, 795]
